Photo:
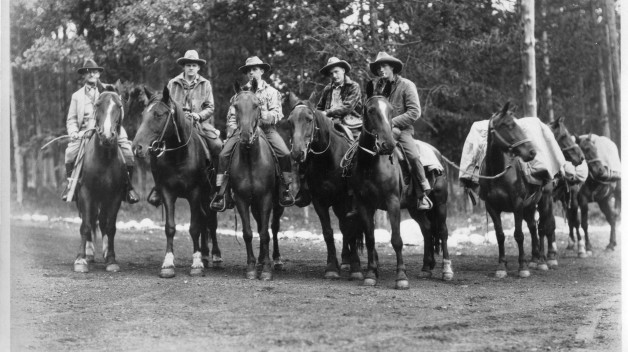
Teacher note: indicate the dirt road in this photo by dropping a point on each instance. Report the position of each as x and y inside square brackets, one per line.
[575, 307]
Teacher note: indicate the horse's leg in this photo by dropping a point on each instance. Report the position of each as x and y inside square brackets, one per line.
[107, 219]
[274, 226]
[523, 266]
[394, 216]
[332, 270]
[88, 213]
[247, 236]
[573, 220]
[547, 230]
[370, 279]
[261, 213]
[352, 243]
[583, 244]
[502, 264]
[428, 246]
[611, 217]
[197, 223]
[167, 267]
[538, 247]
[211, 225]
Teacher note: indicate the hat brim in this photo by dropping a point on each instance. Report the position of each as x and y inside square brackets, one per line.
[396, 65]
[328, 67]
[243, 69]
[183, 61]
[82, 70]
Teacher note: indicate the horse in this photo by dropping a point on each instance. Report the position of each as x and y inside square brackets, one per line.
[597, 189]
[503, 187]
[178, 166]
[103, 179]
[378, 183]
[566, 191]
[319, 148]
[253, 181]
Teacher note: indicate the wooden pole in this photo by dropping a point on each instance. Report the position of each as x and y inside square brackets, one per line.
[528, 58]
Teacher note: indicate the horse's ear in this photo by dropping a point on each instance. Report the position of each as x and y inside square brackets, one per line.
[119, 88]
[505, 108]
[149, 94]
[254, 86]
[236, 87]
[387, 89]
[101, 88]
[312, 99]
[369, 89]
[292, 100]
[165, 97]
[561, 119]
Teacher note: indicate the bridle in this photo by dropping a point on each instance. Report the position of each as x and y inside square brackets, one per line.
[158, 146]
[314, 133]
[99, 130]
[259, 116]
[510, 147]
[373, 134]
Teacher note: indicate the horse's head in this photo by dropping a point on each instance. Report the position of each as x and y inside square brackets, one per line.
[108, 113]
[567, 142]
[596, 167]
[156, 117]
[378, 120]
[508, 136]
[302, 120]
[248, 111]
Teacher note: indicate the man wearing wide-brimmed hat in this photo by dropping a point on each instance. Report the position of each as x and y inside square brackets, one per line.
[194, 93]
[271, 113]
[404, 98]
[81, 119]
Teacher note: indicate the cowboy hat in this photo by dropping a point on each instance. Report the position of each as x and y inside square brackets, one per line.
[89, 64]
[252, 62]
[190, 57]
[383, 57]
[332, 62]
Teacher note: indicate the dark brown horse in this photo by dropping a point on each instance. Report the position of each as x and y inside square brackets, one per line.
[378, 183]
[319, 148]
[597, 188]
[103, 177]
[509, 192]
[177, 162]
[566, 191]
[253, 181]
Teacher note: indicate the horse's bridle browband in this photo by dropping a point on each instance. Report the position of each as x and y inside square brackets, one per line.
[503, 140]
[159, 146]
[315, 129]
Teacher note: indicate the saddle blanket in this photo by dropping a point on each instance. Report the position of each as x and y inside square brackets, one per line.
[428, 157]
[548, 158]
[607, 152]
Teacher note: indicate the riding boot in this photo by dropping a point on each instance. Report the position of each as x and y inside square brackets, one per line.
[222, 200]
[69, 168]
[354, 206]
[304, 196]
[424, 189]
[285, 198]
[131, 196]
[154, 197]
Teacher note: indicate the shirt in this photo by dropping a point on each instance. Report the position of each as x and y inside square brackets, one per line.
[270, 99]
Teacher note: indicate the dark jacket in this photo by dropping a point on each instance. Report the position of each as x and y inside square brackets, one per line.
[350, 113]
[405, 101]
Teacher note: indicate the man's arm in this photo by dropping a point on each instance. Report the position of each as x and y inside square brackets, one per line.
[413, 107]
[348, 104]
[273, 114]
[71, 123]
[207, 107]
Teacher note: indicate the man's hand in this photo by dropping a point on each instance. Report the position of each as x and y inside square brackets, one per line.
[195, 116]
[396, 132]
[74, 135]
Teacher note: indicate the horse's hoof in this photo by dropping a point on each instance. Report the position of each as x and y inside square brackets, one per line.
[81, 268]
[582, 255]
[402, 285]
[89, 258]
[553, 263]
[197, 272]
[524, 273]
[543, 267]
[357, 275]
[425, 274]
[533, 265]
[332, 275]
[113, 268]
[345, 267]
[166, 273]
[278, 266]
[448, 276]
[500, 274]
[570, 247]
[369, 282]
[266, 276]
[217, 264]
[251, 275]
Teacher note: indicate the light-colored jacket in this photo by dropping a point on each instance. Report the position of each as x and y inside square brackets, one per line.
[77, 111]
[197, 97]
[271, 105]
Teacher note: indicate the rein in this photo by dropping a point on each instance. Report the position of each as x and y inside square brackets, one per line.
[503, 140]
[159, 146]
[314, 133]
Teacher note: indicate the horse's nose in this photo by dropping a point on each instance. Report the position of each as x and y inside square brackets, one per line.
[137, 149]
[533, 153]
[298, 155]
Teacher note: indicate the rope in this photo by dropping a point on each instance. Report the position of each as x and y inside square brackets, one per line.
[479, 176]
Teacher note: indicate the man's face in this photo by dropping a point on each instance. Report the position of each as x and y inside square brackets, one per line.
[91, 76]
[337, 74]
[191, 69]
[385, 71]
[255, 73]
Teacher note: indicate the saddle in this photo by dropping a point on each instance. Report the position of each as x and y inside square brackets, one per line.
[345, 132]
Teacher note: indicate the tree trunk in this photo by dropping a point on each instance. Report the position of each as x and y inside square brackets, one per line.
[17, 153]
[614, 47]
[373, 22]
[581, 106]
[598, 35]
[546, 64]
[528, 58]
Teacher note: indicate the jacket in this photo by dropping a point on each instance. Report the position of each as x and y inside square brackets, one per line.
[350, 113]
[77, 110]
[271, 106]
[197, 97]
[405, 101]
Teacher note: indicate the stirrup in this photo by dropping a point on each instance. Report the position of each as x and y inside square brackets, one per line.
[425, 203]
[219, 203]
[154, 198]
[287, 200]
